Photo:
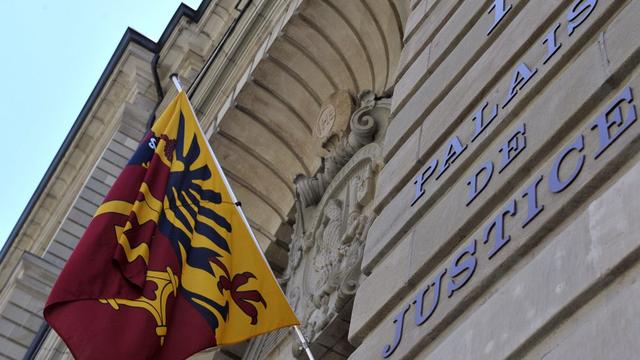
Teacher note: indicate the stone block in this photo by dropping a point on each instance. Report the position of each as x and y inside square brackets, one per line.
[86, 206]
[464, 74]
[97, 186]
[331, 355]
[606, 328]
[91, 196]
[6, 327]
[53, 259]
[399, 164]
[438, 14]
[101, 176]
[59, 250]
[108, 167]
[21, 336]
[67, 239]
[19, 296]
[79, 217]
[73, 228]
[379, 287]
[11, 350]
[130, 144]
[460, 41]
[24, 318]
[115, 158]
[418, 15]
[132, 132]
[394, 219]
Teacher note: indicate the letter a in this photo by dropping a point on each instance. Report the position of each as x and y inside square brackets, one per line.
[520, 78]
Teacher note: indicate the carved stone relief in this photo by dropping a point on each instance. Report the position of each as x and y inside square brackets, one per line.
[326, 250]
[332, 259]
[334, 115]
[332, 217]
[325, 121]
[341, 143]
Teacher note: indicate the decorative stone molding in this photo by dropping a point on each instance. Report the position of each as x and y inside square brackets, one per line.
[332, 270]
[295, 250]
[21, 304]
[341, 142]
[324, 262]
[334, 116]
[333, 215]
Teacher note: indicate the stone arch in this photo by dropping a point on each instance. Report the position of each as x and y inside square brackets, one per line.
[266, 138]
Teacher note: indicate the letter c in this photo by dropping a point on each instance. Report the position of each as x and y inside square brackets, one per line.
[555, 184]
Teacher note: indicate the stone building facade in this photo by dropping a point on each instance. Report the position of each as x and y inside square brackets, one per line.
[429, 179]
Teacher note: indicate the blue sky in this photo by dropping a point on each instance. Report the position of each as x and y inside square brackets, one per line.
[53, 53]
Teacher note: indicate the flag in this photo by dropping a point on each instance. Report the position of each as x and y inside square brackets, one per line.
[168, 265]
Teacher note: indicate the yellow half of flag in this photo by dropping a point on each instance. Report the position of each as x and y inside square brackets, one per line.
[239, 277]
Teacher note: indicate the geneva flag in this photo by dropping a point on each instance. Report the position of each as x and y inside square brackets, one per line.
[168, 265]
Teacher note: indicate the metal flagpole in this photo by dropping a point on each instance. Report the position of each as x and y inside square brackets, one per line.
[305, 345]
[176, 83]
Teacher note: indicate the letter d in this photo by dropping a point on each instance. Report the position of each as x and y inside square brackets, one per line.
[478, 183]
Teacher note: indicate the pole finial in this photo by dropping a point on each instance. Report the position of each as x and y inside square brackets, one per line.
[176, 81]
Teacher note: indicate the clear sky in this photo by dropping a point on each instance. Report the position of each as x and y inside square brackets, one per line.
[53, 53]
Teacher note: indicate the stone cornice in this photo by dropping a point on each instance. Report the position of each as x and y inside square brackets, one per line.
[243, 50]
[128, 79]
[79, 152]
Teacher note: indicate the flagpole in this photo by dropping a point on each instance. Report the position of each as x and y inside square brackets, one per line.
[305, 345]
[176, 82]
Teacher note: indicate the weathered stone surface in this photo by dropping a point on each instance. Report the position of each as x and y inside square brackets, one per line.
[437, 15]
[329, 252]
[576, 263]
[80, 217]
[387, 178]
[59, 251]
[86, 206]
[418, 15]
[542, 117]
[21, 304]
[605, 328]
[398, 213]
[460, 41]
[560, 288]
[12, 350]
[446, 93]
[593, 247]
[115, 158]
[385, 282]
[97, 186]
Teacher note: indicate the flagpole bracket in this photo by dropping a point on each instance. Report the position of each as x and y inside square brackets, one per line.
[303, 342]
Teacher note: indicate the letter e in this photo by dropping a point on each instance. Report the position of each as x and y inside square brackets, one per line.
[604, 124]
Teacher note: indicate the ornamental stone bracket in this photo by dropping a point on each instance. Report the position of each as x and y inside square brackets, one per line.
[342, 133]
